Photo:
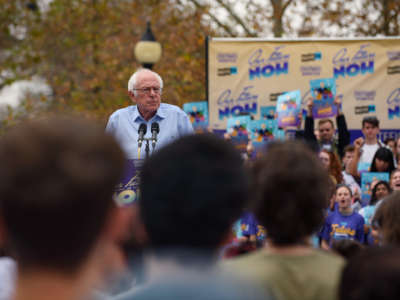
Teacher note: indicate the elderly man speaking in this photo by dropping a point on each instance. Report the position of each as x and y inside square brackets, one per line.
[149, 121]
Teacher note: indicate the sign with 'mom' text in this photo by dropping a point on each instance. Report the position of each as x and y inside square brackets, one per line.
[245, 74]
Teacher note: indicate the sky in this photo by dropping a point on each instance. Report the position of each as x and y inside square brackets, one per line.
[12, 94]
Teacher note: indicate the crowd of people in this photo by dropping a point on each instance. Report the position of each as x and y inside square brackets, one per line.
[291, 224]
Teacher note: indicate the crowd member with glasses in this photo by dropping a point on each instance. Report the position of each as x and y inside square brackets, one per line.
[145, 89]
[326, 130]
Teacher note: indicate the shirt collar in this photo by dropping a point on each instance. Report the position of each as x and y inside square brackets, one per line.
[136, 116]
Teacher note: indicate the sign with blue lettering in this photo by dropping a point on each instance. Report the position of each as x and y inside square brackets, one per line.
[247, 74]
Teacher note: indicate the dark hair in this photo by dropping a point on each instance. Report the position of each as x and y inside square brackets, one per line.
[192, 191]
[370, 120]
[347, 248]
[373, 195]
[389, 139]
[338, 186]
[373, 274]
[290, 184]
[383, 154]
[349, 148]
[387, 218]
[56, 183]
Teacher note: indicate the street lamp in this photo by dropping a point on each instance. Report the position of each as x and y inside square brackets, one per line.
[148, 50]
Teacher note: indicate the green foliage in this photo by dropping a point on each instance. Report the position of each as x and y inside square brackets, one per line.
[84, 50]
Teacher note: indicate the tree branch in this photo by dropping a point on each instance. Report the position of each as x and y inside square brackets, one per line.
[225, 27]
[237, 18]
[286, 5]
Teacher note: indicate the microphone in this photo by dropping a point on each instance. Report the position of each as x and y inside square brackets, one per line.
[141, 131]
[155, 129]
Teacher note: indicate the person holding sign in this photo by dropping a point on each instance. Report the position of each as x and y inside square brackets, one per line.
[387, 219]
[326, 130]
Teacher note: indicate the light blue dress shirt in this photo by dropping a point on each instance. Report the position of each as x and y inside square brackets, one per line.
[124, 123]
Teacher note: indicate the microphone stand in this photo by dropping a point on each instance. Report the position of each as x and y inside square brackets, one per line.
[147, 148]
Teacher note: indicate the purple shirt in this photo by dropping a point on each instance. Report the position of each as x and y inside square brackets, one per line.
[249, 226]
[338, 227]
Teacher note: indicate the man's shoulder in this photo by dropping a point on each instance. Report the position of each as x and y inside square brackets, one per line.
[210, 286]
[123, 111]
[170, 108]
[258, 265]
[328, 256]
[265, 256]
[245, 260]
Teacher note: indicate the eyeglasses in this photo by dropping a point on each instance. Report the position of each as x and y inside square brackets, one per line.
[147, 90]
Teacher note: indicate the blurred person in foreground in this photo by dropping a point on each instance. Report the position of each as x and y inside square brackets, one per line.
[387, 220]
[290, 201]
[347, 248]
[374, 274]
[56, 210]
[192, 191]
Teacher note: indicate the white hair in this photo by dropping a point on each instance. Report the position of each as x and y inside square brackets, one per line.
[134, 79]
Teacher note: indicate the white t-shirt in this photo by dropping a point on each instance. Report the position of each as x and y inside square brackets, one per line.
[368, 152]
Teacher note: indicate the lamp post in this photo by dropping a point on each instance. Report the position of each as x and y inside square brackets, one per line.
[148, 50]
